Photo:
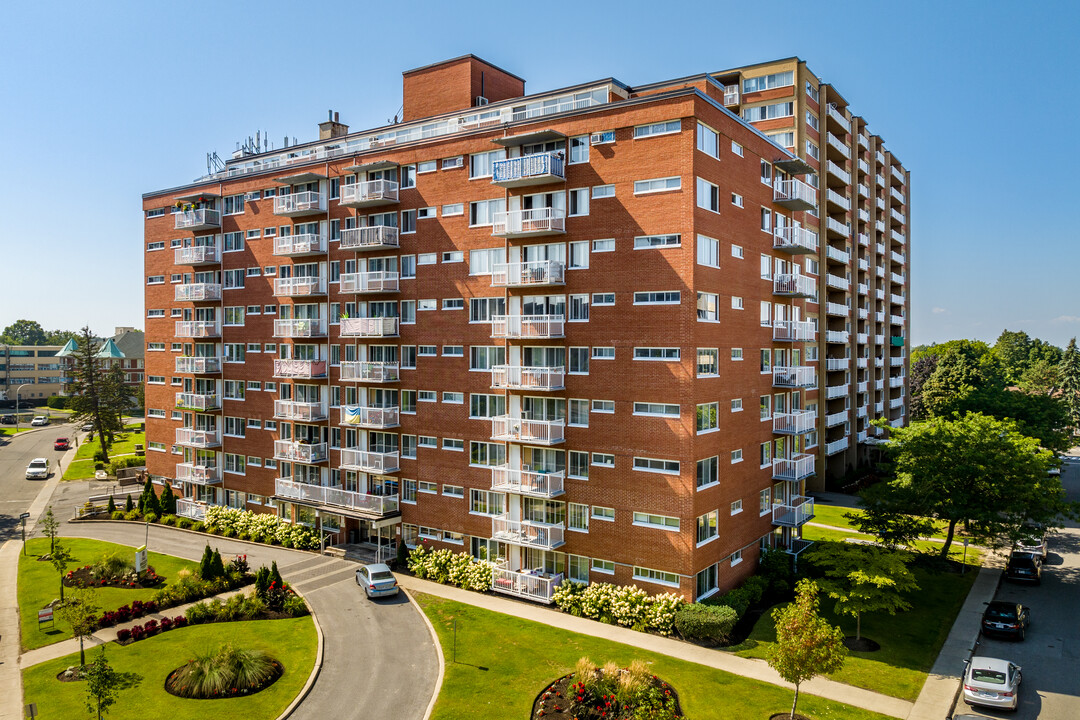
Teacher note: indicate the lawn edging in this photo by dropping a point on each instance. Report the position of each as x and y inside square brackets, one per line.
[316, 668]
[90, 521]
[438, 654]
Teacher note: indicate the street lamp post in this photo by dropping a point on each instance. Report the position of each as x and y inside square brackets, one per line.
[17, 391]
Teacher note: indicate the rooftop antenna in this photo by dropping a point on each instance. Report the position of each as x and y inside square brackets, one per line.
[214, 164]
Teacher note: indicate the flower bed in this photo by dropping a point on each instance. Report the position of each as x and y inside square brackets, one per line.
[228, 672]
[126, 636]
[607, 693]
[88, 576]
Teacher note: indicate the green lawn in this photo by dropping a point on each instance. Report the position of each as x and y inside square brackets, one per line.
[504, 661]
[910, 641]
[12, 431]
[82, 467]
[39, 583]
[956, 550]
[293, 642]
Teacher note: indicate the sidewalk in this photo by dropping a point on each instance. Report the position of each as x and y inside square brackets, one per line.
[745, 667]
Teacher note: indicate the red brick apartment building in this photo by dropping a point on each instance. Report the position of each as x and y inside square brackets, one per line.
[534, 327]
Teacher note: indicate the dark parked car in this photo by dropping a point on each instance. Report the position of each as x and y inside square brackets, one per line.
[1024, 567]
[1005, 618]
[7, 419]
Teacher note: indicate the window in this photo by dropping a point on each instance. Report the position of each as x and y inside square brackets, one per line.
[708, 362]
[811, 91]
[156, 314]
[482, 212]
[736, 557]
[481, 164]
[766, 360]
[426, 305]
[736, 507]
[764, 501]
[453, 444]
[656, 576]
[578, 467]
[579, 149]
[408, 176]
[708, 141]
[812, 150]
[768, 82]
[453, 209]
[484, 357]
[673, 297]
[656, 465]
[426, 486]
[427, 350]
[603, 406]
[486, 406]
[736, 251]
[155, 246]
[482, 262]
[426, 441]
[603, 191]
[660, 128]
[233, 241]
[235, 463]
[708, 195]
[603, 459]
[578, 361]
[234, 315]
[483, 309]
[736, 200]
[603, 566]
[579, 255]
[811, 118]
[708, 527]
[766, 454]
[736, 148]
[156, 212]
[657, 353]
[736, 302]
[643, 242]
[769, 112]
[578, 200]
[708, 307]
[578, 413]
[578, 308]
[603, 353]
[736, 354]
[233, 205]
[766, 220]
[705, 582]
[454, 398]
[602, 137]
[408, 221]
[426, 167]
[485, 502]
[155, 280]
[453, 162]
[658, 521]
[603, 299]
[736, 456]
[657, 409]
[603, 513]
[426, 259]
[486, 454]
[642, 187]
[453, 304]
[234, 279]
[453, 351]
[408, 267]
[766, 407]
[707, 472]
[427, 395]
[708, 417]
[783, 139]
[736, 405]
[708, 251]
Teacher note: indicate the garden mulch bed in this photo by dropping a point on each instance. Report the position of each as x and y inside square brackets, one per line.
[278, 671]
[552, 703]
[81, 577]
[787, 716]
[861, 645]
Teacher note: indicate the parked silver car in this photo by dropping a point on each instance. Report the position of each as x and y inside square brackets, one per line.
[992, 682]
[377, 580]
[38, 469]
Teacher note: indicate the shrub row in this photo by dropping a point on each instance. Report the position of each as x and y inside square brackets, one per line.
[706, 623]
[242, 607]
[233, 523]
[122, 614]
[150, 628]
[459, 569]
[624, 605]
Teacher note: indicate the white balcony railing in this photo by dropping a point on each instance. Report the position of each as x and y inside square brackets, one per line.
[300, 452]
[201, 219]
[524, 274]
[190, 509]
[300, 244]
[517, 377]
[896, 320]
[838, 144]
[837, 418]
[895, 382]
[794, 285]
[300, 328]
[299, 411]
[795, 239]
[863, 289]
[529, 170]
[506, 428]
[836, 282]
[197, 474]
[837, 310]
[364, 371]
[862, 386]
[837, 336]
[335, 496]
[839, 118]
[201, 255]
[797, 467]
[794, 514]
[301, 203]
[369, 194]
[367, 416]
[835, 364]
[837, 391]
[198, 401]
[299, 286]
[198, 438]
[794, 376]
[198, 365]
[505, 478]
[300, 369]
[197, 292]
[373, 237]
[526, 585]
[527, 327]
[864, 239]
[842, 229]
[197, 329]
[370, 461]
[793, 331]
[836, 446]
[526, 223]
[862, 339]
[369, 327]
[794, 423]
[794, 194]
[528, 534]
[369, 282]
[840, 256]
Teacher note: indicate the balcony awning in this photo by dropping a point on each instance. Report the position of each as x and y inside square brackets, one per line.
[304, 177]
[794, 166]
[194, 197]
[372, 166]
[529, 138]
[375, 518]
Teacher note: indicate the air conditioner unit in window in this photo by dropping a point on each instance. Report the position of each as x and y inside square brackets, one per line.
[480, 100]
[601, 138]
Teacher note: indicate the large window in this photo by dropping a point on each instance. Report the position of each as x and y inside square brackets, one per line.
[708, 306]
[768, 82]
[708, 141]
[769, 112]
[481, 164]
[708, 527]
[708, 417]
[707, 472]
[708, 251]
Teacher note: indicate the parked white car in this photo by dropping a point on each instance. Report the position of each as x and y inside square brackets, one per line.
[992, 682]
[39, 421]
[38, 469]
[377, 580]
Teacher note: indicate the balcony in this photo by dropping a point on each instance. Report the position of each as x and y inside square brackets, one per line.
[864, 142]
[841, 337]
[197, 474]
[796, 467]
[200, 402]
[189, 437]
[371, 417]
[198, 365]
[899, 237]
[837, 446]
[794, 376]
[838, 117]
[897, 196]
[372, 193]
[367, 461]
[837, 310]
[793, 423]
[862, 436]
[526, 533]
[840, 174]
[879, 385]
[862, 339]
[525, 585]
[202, 219]
[864, 216]
[863, 386]
[897, 320]
[863, 289]
[879, 362]
[527, 327]
[201, 255]
[898, 258]
[864, 190]
[190, 509]
[197, 329]
[300, 328]
[517, 377]
[897, 216]
[795, 240]
[793, 331]
[373, 237]
[299, 286]
[861, 411]
[300, 245]
[862, 312]
[895, 382]
[837, 391]
[538, 169]
[528, 274]
[376, 327]
[864, 239]
[840, 256]
[836, 282]
[299, 369]
[299, 411]
[897, 361]
[879, 407]
[837, 144]
[797, 513]
[529, 223]
[837, 418]
[837, 364]
[505, 428]
[731, 96]
[300, 452]
[373, 372]
[801, 286]
[838, 228]
[505, 478]
[300, 204]
[879, 225]
[335, 496]
[378, 281]
[897, 175]
[197, 292]
[794, 195]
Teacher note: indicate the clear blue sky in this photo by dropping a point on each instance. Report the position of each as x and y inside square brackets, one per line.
[104, 101]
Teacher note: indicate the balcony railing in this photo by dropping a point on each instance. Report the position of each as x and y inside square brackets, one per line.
[300, 452]
[528, 534]
[369, 194]
[534, 169]
[797, 513]
[837, 336]
[300, 328]
[834, 364]
[529, 223]
[840, 256]
[731, 96]
[335, 496]
[863, 386]
[369, 327]
[837, 418]
[837, 446]
[377, 281]
[368, 461]
[202, 219]
[794, 285]
[299, 286]
[837, 116]
[505, 478]
[793, 423]
[367, 416]
[198, 438]
[505, 428]
[795, 239]
[796, 467]
[527, 327]
[198, 401]
[201, 255]
[898, 258]
[300, 204]
[794, 195]
[374, 372]
[299, 411]
[529, 586]
[517, 377]
[863, 289]
[793, 331]
[862, 339]
[300, 244]
[198, 365]
[197, 474]
[190, 509]
[300, 369]
[526, 274]
[864, 215]
[898, 196]
[895, 382]
[836, 282]
[842, 229]
[837, 309]
[838, 144]
[794, 376]
[896, 319]
[837, 391]
[197, 329]
[197, 292]
[897, 175]
[899, 237]
[373, 237]
[841, 174]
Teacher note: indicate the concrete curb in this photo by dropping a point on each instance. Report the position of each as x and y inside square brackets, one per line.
[86, 521]
[314, 675]
[439, 654]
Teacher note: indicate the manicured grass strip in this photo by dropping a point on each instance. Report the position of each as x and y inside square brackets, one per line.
[39, 583]
[834, 515]
[504, 661]
[910, 641]
[123, 444]
[956, 550]
[292, 642]
[12, 431]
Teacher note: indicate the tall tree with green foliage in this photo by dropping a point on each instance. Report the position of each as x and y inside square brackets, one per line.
[1070, 381]
[60, 337]
[1043, 377]
[806, 645]
[50, 527]
[80, 611]
[863, 578]
[1013, 351]
[103, 684]
[60, 558]
[23, 332]
[89, 391]
[921, 371]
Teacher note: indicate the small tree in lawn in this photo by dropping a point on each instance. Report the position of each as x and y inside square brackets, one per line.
[863, 579]
[60, 559]
[80, 612]
[50, 526]
[806, 645]
[103, 684]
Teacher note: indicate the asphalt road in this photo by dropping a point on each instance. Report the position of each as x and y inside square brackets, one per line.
[16, 492]
[1050, 654]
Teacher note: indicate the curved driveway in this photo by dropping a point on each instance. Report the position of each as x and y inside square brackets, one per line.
[379, 660]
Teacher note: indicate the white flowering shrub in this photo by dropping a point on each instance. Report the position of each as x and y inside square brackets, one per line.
[261, 527]
[660, 612]
[627, 605]
[459, 569]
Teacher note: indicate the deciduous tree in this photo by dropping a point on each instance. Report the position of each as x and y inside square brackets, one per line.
[60, 559]
[80, 612]
[50, 526]
[103, 684]
[23, 332]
